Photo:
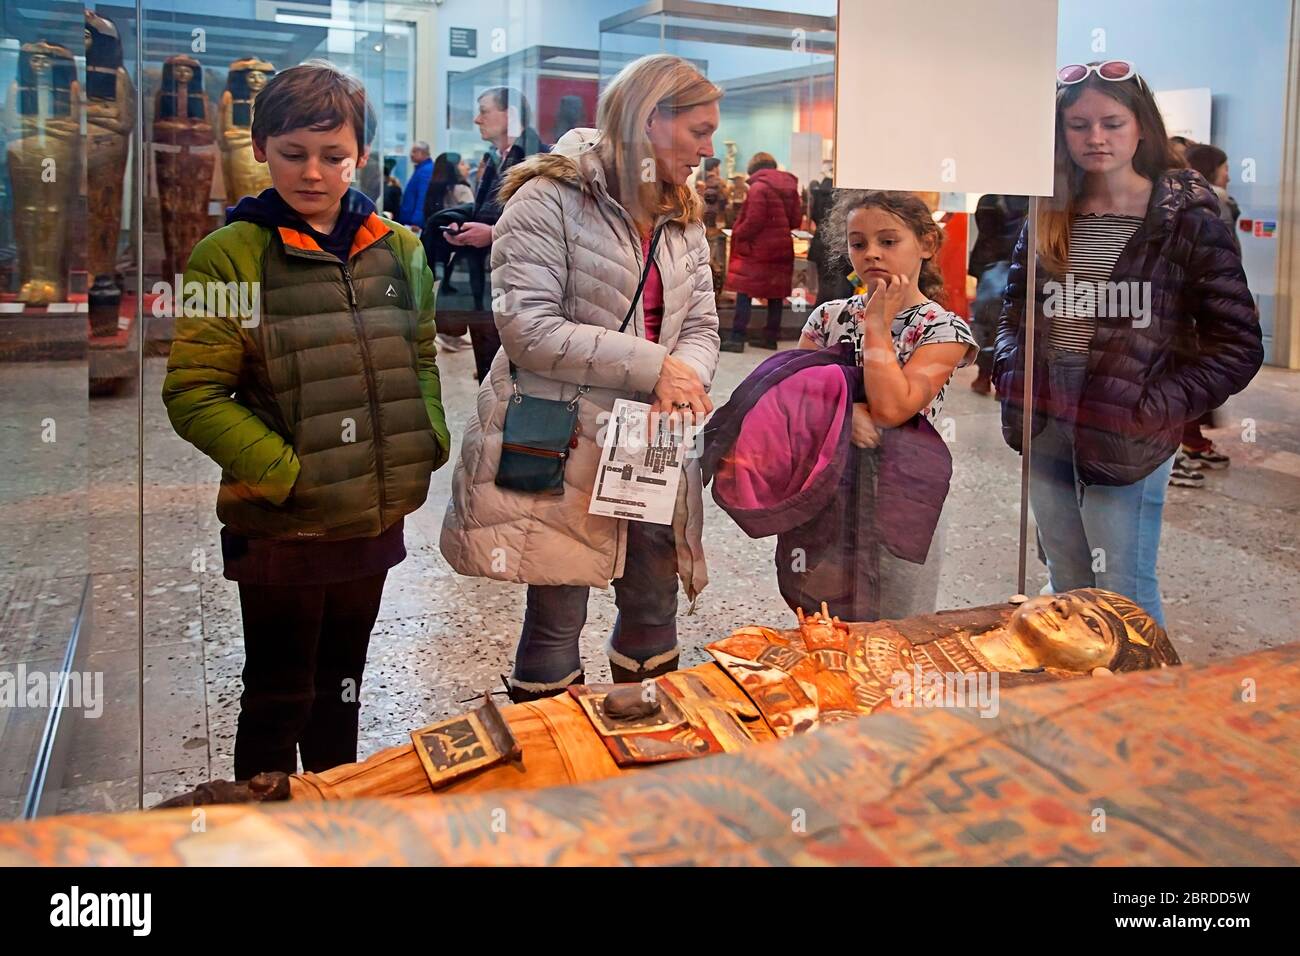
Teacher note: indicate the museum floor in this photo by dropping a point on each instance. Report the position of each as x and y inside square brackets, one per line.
[1229, 565]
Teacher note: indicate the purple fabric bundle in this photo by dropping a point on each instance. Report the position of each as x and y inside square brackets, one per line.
[779, 456]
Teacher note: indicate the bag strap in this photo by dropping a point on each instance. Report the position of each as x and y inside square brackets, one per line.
[631, 309]
[645, 274]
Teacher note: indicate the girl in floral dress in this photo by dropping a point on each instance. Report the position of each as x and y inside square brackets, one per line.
[907, 343]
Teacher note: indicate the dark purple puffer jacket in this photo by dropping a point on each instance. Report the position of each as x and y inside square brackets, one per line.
[1202, 343]
[779, 457]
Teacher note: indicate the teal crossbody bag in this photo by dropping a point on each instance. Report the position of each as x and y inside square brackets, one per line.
[539, 433]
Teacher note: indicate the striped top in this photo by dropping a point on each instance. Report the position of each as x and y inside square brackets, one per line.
[1096, 242]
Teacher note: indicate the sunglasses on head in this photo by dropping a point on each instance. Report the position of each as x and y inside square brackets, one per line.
[1113, 70]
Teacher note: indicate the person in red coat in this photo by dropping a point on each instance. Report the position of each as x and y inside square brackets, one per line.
[762, 249]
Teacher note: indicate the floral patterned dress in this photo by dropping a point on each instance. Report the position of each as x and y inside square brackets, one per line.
[926, 324]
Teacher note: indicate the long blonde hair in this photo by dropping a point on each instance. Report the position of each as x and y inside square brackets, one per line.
[1153, 157]
[660, 82]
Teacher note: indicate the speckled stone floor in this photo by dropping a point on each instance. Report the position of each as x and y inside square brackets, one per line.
[1229, 564]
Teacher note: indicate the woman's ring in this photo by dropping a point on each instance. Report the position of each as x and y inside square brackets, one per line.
[681, 404]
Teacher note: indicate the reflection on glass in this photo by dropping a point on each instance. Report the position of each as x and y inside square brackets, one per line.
[1157, 445]
[244, 175]
[1132, 351]
[68, 514]
[110, 120]
[44, 113]
[183, 159]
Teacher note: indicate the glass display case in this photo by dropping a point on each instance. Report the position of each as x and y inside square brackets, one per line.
[776, 70]
[121, 151]
[63, 473]
[125, 138]
[560, 84]
[775, 67]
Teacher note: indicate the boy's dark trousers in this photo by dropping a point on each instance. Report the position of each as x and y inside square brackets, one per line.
[305, 649]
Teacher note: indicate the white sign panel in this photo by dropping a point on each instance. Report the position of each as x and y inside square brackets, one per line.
[1186, 112]
[806, 157]
[946, 95]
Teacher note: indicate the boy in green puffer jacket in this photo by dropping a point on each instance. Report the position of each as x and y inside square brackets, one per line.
[321, 403]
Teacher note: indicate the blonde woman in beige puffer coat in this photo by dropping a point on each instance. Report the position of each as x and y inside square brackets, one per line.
[567, 255]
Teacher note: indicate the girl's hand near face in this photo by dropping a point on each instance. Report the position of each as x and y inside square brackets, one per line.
[896, 393]
[888, 296]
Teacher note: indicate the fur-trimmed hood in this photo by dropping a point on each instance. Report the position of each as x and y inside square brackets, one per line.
[572, 160]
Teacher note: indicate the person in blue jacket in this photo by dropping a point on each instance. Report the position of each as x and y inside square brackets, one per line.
[412, 211]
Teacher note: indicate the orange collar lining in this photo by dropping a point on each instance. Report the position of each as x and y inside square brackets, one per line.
[370, 232]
